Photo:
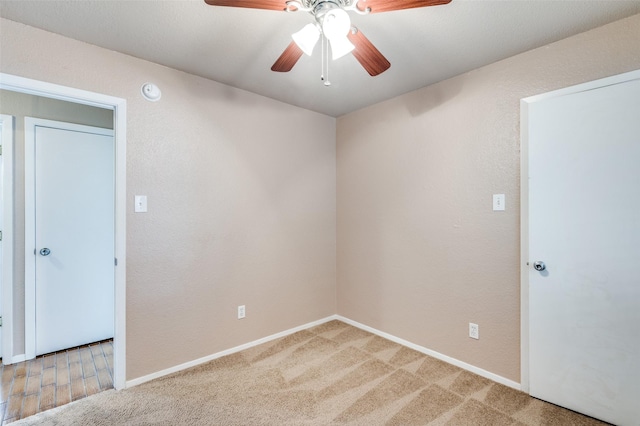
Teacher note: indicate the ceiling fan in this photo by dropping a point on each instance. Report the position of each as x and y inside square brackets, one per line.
[332, 22]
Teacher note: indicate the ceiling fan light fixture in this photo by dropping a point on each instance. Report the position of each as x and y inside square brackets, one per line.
[336, 24]
[340, 47]
[307, 38]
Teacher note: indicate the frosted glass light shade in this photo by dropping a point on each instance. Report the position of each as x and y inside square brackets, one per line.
[336, 23]
[340, 46]
[307, 38]
[335, 27]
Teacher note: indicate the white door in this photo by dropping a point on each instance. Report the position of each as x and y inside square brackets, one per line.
[584, 224]
[71, 170]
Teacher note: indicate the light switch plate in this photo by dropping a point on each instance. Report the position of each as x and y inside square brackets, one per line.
[498, 202]
[140, 204]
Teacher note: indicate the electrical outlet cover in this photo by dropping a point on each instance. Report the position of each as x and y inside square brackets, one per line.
[474, 331]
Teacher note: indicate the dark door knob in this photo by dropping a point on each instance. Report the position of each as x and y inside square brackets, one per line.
[539, 266]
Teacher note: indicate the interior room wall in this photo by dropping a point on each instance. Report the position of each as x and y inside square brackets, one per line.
[420, 251]
[241, 198]
[21, 105]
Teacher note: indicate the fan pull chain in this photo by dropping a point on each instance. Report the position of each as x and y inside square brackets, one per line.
[322, 58]
[324, 71]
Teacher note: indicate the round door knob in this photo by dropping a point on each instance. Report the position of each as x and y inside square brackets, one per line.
[45, 252]
[539, 266]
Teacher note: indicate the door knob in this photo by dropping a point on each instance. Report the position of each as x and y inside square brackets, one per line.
[539, 266]
[45, 252]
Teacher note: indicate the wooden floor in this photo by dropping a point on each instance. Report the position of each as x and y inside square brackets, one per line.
[54, 379]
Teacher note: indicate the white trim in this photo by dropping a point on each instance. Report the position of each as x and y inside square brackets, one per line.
[29, 241]
[524, 246]
[30, 125]
[524, 202]
[7, 125]
[55, 91]
[18, 358]
[119, 107]
[233, 350]
[584, 87]
[453, 361]
[120, 329]
[472, 368]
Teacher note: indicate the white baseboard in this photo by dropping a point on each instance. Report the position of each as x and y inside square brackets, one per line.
[438, 355]
[14, 359]
[143, 379]
[445, 358]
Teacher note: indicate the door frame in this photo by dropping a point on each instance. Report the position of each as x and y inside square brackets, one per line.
[524, 203]
[119, 108]
[7, 126]
[30, 124]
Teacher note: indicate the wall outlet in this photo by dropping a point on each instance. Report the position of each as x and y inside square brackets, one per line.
[241, 312]
[474, 331]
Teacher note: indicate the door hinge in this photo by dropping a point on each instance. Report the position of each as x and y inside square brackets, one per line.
[0, 149]
[0, 321]
[0, 235]
[116, 261]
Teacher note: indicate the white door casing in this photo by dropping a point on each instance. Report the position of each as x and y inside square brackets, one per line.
[6, 225]
[119, 108]
[69, 234]
[580, 204]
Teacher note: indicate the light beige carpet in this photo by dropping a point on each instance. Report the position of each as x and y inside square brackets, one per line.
[333, 374]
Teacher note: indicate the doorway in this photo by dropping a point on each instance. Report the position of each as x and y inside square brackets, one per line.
[580, 245]
[118, 106]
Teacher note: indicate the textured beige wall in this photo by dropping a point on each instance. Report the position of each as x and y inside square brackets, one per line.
[241, 201]
[420, 251]
[21, 105]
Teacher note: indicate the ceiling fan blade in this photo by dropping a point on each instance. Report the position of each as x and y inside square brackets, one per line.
[389, 5]
[366, 53]
[288, 59]
[253, 4]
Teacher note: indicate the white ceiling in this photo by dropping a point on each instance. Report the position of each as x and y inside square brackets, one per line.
[237, 46]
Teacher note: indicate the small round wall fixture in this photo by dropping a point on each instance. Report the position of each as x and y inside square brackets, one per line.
[151, 92]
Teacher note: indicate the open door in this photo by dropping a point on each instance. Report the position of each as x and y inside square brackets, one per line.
[583, 248]
[69, 235]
